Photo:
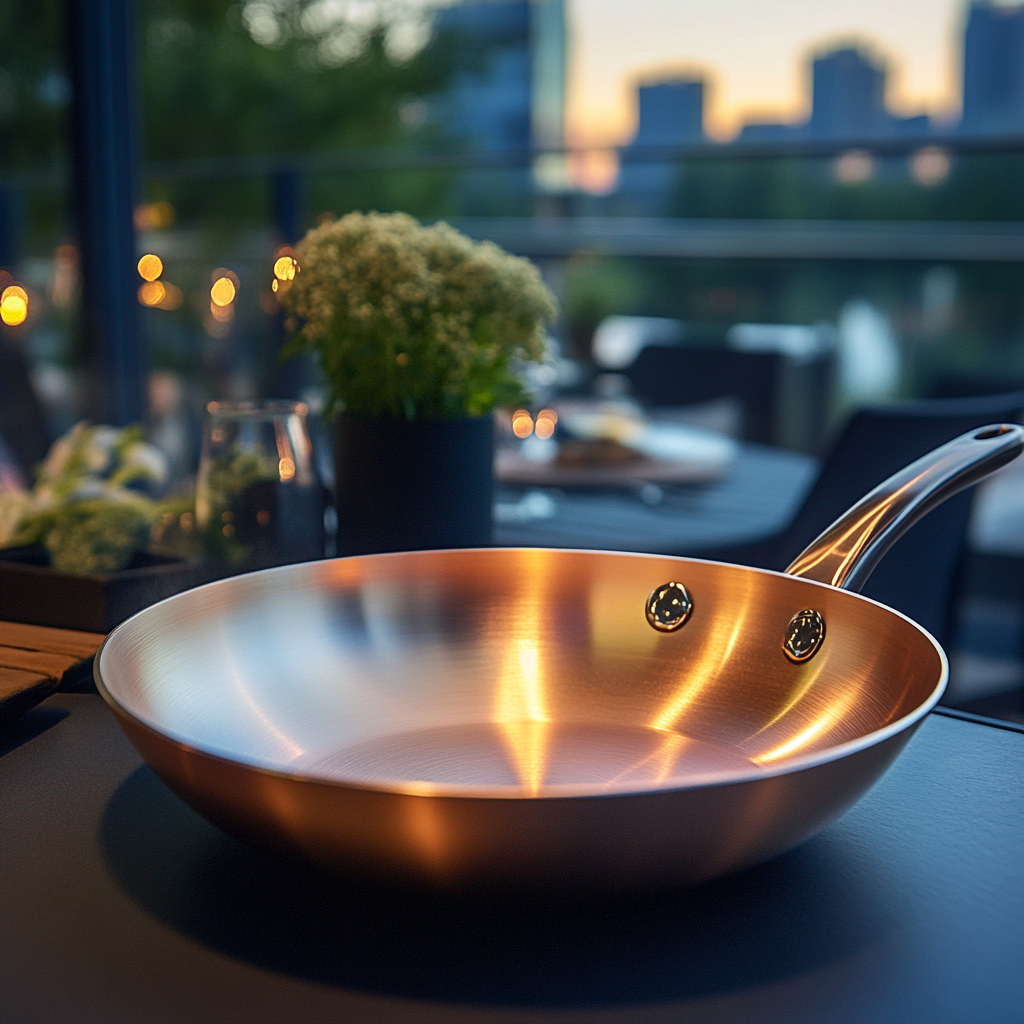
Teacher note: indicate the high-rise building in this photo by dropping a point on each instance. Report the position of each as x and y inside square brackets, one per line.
[993, 98]
[669, 113]
[512, 97]
[487, 106]
[847, 102]
[847, 96]
[548, 63]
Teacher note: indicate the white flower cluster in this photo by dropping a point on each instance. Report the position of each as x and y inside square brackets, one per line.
[89, 506]
[412, 321]
[99, 462]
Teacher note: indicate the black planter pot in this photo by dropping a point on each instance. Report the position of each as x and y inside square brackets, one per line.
[408, 486]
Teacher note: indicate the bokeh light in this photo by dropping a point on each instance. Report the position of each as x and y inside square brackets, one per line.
[522, 423]
[153, 216]
[152, 293]
[546, 420]
[930, 166]
[173, 297]
[854, 167]
[65, 274]
[150, 267]
[221, 313]
[223, 292]
[285, 268]
[14, 305]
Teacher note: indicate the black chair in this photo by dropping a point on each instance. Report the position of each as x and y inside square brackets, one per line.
[665, 375]
[919, 575]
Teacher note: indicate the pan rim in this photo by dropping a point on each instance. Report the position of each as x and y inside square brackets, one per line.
[554, 792]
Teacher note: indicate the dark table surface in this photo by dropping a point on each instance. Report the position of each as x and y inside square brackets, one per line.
[761, 491]
[118, 903]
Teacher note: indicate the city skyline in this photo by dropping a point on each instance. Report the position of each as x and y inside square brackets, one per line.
[754, 59]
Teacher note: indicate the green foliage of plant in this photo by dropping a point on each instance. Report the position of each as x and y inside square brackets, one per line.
[292, 75]
[89, 536]
[84, 508]
[415, 322]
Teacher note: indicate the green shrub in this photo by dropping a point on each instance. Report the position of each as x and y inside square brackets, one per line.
[414, 322]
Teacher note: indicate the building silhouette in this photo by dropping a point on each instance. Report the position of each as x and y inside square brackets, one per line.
[847, 102]
[509, 95]
[670, 113]
[847, 96]
[993, 85]
[488, 104]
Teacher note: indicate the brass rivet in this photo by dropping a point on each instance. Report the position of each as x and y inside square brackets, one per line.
[669, 606]
[804, 635]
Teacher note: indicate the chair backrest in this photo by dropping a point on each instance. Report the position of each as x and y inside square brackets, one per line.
[918, 576]
[665, 375]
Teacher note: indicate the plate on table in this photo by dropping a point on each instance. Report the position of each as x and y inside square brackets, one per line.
[610, 450]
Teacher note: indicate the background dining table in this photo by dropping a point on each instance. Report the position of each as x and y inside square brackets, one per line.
[119, 903]
[755, 497]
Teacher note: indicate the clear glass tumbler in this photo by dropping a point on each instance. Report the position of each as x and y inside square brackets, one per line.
[258, 499]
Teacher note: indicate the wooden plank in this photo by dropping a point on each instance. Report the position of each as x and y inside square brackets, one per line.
[37, 661]
[14, 680]
[46, 638]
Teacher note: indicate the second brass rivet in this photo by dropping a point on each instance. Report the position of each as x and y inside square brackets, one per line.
[669, 606]
[804, 635]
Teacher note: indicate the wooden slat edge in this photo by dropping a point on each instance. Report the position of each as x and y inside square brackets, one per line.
[14, 680]
[46, 638]
[37, 661]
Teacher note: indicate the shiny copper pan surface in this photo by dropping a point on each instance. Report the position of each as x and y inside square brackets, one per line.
[510, 715]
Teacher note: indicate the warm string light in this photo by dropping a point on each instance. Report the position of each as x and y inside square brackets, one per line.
[223, 292]
[523, 424]
[150, 267]
[222, 295]
[13, 305]
[285, 269]
[154, 293]
[545, 425]
[153, 216]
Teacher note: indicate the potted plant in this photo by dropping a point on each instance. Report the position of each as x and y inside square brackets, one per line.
[419, 333]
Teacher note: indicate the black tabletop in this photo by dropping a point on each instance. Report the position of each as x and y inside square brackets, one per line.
[762, 489]
[118, 903]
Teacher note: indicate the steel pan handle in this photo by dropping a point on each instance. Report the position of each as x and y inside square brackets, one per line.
[847, 552]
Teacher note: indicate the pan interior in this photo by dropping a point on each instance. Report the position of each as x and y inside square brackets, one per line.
[513, 672]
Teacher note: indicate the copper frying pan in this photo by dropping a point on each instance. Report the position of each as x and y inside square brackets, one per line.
[575, 718]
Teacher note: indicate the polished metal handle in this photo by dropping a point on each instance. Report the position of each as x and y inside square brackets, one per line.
[847, 552]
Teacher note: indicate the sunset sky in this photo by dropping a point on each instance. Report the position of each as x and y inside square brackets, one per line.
[754, 54]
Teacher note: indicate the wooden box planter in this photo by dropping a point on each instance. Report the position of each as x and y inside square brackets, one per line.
[32, 592]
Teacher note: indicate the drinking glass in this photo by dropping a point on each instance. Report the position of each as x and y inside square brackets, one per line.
[258, 499]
